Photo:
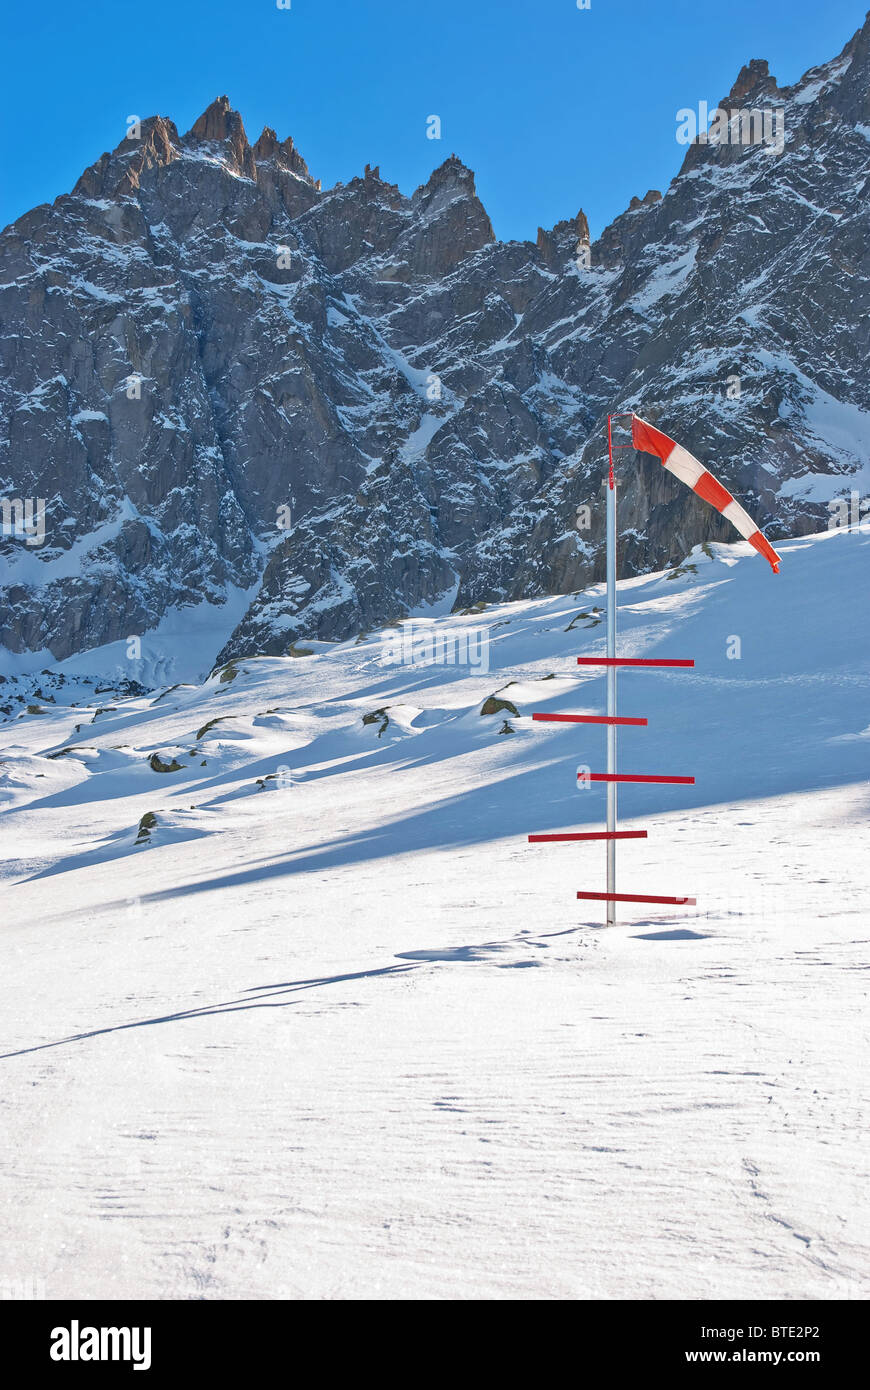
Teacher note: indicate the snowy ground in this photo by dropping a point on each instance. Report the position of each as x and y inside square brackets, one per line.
[339, 1031]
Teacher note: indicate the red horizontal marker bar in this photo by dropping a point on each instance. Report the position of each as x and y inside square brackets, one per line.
[635, 898]
[632, 661]
[586, 719]
[630, 777]
[591, 835]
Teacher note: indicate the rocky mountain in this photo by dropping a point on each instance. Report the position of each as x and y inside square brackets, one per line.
[326, 409]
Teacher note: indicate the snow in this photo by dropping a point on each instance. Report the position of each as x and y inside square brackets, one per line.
[339, 1031]
[83, 416]
[831, 73]
[95, 291]
[34, 400]
[665, 279]
[416, 377]
[440, 606]
[840, 428]
[24, 566]
[181, 647]
[418, 441]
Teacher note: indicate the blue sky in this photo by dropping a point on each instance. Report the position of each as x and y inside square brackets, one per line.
[553, 107]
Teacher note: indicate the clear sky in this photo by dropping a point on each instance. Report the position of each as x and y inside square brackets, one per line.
[554, 107]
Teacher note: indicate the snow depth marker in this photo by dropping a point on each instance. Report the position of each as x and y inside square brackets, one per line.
[684, 466]
[590, 835]
[635, 898]
[630, 777]
[585, 719]
[632, 660]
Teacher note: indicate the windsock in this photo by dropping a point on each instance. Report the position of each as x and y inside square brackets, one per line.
[684, 466]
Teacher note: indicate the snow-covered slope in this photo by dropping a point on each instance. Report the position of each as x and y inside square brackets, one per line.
[307, 1016]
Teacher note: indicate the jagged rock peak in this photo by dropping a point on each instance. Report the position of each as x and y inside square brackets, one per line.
[753, 80]
[372, 175]
[651, 196]
[219, 123]
[269, 149]
[452, 184]
[267, 146]
[561, 242]
[371, 187]
[159, 135]
[452, 171]
[151, 142]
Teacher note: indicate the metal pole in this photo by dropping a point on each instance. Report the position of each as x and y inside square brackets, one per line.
[611, 675]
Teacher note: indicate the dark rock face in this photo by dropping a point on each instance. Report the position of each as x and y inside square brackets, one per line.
[353, 403]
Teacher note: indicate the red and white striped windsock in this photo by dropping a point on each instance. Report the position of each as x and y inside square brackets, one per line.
[684, 466]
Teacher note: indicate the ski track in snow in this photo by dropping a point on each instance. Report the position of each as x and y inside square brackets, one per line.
[356, 1038]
